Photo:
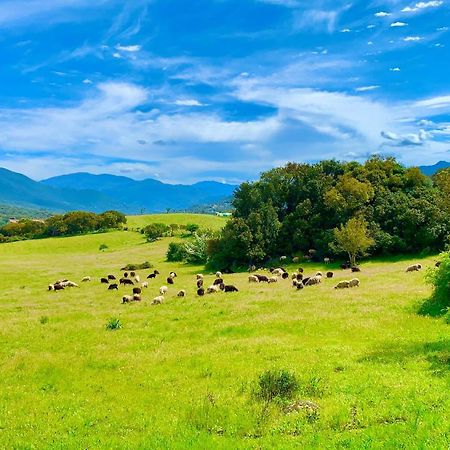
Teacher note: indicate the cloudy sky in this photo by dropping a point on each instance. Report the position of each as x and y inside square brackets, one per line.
[220, 89]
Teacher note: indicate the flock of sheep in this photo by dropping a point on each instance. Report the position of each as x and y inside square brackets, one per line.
[299, 281]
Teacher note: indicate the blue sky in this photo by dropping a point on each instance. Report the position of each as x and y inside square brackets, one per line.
[220, 89]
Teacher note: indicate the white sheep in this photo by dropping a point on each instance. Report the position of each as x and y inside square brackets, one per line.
[137, 279]
[253, 279]
[158, 300]
[213, 289]
[218, 274]
[199, 276]
[85, 279]
[127, 298]
[144, 284]
[163, 290]
[273, 280]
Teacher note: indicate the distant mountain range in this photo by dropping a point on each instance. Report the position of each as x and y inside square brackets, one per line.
[431, 170]
[98, 193]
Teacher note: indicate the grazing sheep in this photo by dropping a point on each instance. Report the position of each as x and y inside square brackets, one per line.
[181, 293]
[300, 286]
[300, 270]
[253, 279]
[137, 279]
[85, 279]
[127, 298]
[230, 288]
[345, 266]
[144, 284]
[156, 272]
[414, 268]
[125, 281]
[314, 280]
[294, 282]
[285, 276]
[132, 274]
[305, 280]
[213, 289]
[137, 290]
[199, 283]
[125, 275]
[200, 292]
[172, 275]
[283, 258]
[294, 276]
[111, 277]
[295, 259]
[356, 269]
[199, 276]
[169, 280]
[158, 300]
[104, 280]
[137, 297]
[71, 284]
[319, 274]
[152, 275]
[354, 282]
[218, 281]
[330, 274]
[273, 280]
[163, 290]
[262, 278]
[299, 277]
[59, 287]
[343, 285]
[326, 260]
[51, 287]
[112, 287]
[218, 274]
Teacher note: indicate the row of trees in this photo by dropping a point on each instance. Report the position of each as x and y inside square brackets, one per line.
[72, 223]
[334, 208]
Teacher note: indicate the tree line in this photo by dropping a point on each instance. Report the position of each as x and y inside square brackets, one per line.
[335, 208]
[69, 224]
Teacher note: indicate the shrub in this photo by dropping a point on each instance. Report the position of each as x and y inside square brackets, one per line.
[114, 324]
[142, 266]
[43, 320]
[192, 227]
[279, 384]
[439, 302]
[155, 231]
[176, 252]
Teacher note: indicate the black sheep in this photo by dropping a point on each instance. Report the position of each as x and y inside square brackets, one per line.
[299, 277]
[200, 292]
[218, 281]
[356, 269]
[113, 287]
[285, 275]
[262, 278]
[305, 280]
[169, 280]
[111, 277]
[199, 283]
[137, 290]
[230, 288]
[104, 280]
[125, 281]
[152, 275]
[330, 274]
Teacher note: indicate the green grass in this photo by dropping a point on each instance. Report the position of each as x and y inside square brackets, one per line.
[182, 374]
[204, 220]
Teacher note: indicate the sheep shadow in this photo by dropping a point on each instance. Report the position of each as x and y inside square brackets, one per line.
[437, 354]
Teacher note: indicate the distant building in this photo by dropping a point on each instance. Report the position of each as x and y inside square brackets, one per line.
[13, 220]
[223, 214]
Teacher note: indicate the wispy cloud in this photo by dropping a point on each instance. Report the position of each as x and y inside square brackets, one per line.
[367, 88]
[423, 5]
[398, 24]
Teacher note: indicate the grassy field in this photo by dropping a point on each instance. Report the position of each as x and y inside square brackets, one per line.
[181, 375]
[205, 221]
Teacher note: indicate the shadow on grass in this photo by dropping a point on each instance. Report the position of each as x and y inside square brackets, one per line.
[432, 307]
[436, 353]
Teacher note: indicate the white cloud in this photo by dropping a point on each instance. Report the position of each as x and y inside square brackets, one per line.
[417, 139]
[395, 69]
[369, 27]
[412, 39]
[317, 20]
[346, 30]
[117, 55]
[367, 88]
[423, 5]
[188, 102]
[398, 24]
[128, 48]
[87, 81]
[382, 14]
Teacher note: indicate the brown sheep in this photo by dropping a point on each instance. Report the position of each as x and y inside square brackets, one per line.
[181, 293]
[354, 283]
[330, 274]
[137, 290]
[199, 283]
[343, 285]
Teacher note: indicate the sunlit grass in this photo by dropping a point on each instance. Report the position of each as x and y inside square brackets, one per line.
[182, 374]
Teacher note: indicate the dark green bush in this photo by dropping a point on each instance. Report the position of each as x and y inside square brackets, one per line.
[176, 252]
[439, 302]
[155, 231]
[114, 324]
[277, 384]
[142, 266]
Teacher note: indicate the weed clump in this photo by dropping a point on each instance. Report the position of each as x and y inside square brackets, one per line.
[142, 266]
[276, 385]
[114, 324]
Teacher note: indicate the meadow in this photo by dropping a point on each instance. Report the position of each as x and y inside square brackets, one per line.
[181, 375]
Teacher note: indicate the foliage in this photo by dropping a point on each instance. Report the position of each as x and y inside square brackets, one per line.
[155, 231]
[276, 384]
[176, 252]
[102, 247]
[69, 224]
[295, 208]
[439, 277]
[9, 211]
[142, 266]
[353, 238]
[114, 324]
[192, 227]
